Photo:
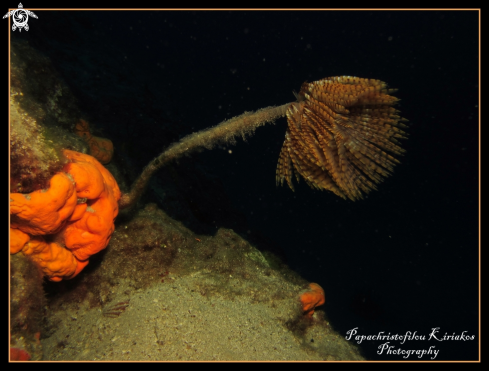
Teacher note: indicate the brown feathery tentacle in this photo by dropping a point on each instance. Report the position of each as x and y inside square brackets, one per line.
[343, 135]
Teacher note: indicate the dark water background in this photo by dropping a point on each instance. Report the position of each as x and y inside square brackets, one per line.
[403, 259]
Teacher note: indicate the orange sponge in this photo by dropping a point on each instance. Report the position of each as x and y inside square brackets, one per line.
[44, 211]
[312, 299]
[100, 148]
[54, 260]
[77, 157]
[91, 233]
[17, 240]
[89, 181]
[78, 211]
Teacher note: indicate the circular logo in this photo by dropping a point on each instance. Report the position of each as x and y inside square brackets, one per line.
[20, 18]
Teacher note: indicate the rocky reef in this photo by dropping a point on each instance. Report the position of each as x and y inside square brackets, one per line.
[160, 290]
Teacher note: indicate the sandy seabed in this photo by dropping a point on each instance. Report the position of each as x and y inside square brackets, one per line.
[175, 322]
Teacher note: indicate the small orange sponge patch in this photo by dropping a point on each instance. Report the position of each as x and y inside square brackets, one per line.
[17, 354]
[100, 148]
[312, 299]
[77, 211]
